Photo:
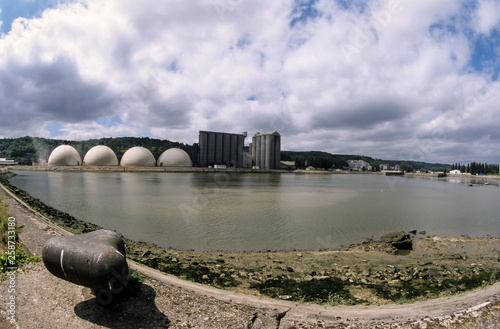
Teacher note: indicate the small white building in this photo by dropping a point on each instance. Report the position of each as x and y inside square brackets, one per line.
[358, 165]
[384, 166]
[455, 172]
[4, 161]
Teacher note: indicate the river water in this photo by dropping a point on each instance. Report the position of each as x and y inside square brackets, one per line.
[258, 212]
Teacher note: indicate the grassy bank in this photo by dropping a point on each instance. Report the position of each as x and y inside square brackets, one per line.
[368, 273]
[12, 255]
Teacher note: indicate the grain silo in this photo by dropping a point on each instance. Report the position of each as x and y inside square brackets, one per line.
[221, 148]
[266, 150]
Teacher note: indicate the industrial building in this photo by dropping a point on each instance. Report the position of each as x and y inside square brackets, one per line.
[138, 156]
[221, 148]
[64, 155]
[266, 150]
[214, 148]
[174, 157]
[100, 155]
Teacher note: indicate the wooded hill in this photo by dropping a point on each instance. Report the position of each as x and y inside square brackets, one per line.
[27, 150]
[339, 161]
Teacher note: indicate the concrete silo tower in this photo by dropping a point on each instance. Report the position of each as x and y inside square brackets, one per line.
[266, 150]
[221, 148]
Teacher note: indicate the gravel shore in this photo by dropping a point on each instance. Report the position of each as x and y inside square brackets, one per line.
[44, 301]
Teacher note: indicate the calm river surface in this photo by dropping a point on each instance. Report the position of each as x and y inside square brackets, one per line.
[221, 211]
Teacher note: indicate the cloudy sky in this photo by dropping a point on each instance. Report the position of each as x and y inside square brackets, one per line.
[394, 79]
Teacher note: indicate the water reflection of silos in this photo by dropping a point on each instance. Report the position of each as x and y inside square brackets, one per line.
[96, 206]
[62, 190]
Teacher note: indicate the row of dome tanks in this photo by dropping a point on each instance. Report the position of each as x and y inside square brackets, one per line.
[101, 155]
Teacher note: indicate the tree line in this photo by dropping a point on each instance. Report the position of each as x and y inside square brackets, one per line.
[477, 168]
[316, 162]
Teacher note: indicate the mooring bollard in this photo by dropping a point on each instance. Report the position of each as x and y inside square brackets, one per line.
[96, 260]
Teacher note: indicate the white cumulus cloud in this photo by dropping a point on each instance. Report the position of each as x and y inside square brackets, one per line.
[487, 16]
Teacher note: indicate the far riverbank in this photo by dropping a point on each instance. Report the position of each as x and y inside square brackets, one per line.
[228, 170]
[194, 169]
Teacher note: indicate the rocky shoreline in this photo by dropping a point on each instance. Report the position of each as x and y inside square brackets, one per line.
[397, 268]
[360, 274]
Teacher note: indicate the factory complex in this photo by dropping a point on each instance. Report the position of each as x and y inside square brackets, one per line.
[214, 150]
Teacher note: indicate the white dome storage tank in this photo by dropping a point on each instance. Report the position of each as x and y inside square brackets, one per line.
[64, 155]
[138, 156]
[174, 157]
[100, 155]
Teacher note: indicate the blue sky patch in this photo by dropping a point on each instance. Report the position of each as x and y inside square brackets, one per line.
[54, 129]
[486, 55]
[110, 122]
[12, 9]
[358, 5]
[173, 67]
[303, 11]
